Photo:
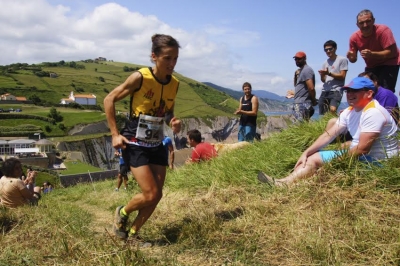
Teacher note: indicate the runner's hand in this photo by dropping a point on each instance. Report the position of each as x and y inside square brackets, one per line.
[119, 141]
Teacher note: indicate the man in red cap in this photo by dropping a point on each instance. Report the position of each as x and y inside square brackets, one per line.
[377, 47]
[373, 129]
[304, 94]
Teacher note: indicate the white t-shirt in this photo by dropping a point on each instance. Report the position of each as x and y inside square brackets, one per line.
[373, 118]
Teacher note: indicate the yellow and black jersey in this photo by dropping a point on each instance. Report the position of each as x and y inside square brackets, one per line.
[153, 98]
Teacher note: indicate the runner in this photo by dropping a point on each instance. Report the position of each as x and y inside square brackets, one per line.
[152, 94]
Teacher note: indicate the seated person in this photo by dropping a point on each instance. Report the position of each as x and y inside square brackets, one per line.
[13, 191]
[385, 97]
[47, 187]
[372, 128]
[202, 151]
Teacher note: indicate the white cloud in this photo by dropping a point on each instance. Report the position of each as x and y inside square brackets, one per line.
[35, 31]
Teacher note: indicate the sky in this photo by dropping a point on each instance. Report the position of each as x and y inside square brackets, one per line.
[226, 42]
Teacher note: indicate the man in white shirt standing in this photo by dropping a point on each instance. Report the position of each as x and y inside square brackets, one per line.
[373, 129]
[333, 75]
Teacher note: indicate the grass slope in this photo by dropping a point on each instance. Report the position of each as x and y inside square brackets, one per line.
[216, 213]
[194, 99]
[190, 102]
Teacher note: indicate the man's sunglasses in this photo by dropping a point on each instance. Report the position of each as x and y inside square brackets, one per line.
[298, 58]
[328, 49]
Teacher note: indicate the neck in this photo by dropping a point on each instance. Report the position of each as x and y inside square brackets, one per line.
[333, 57]
[159, 76]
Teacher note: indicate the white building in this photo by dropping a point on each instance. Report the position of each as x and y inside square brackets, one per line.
[83, 99]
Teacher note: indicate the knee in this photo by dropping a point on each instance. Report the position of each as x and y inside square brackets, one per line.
[153, 197]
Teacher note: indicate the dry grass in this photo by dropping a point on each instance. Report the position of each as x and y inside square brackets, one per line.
[218, 214]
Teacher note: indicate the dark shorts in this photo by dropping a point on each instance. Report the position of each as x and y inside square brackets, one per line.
[327, 99]
[136, 156]
[387, 75]
[123, 169]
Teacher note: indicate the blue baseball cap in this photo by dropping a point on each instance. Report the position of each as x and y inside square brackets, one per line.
[359, 83]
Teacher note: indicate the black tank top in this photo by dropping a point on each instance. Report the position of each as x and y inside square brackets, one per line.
[247, 120]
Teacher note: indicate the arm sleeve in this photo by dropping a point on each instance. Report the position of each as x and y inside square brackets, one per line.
[195, 155]
[386, 39]
[344, 64]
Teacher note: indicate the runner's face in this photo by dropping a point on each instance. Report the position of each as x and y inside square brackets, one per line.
[166, 60]
[365, 23]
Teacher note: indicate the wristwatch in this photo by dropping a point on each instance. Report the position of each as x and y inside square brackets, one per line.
[329, 74]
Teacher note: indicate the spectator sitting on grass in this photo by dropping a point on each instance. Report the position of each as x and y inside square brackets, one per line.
[372, 128]
[13, 191]
[47, 187]
[202, 151]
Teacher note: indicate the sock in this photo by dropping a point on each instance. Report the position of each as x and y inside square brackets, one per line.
[132, 232]
[122, 212]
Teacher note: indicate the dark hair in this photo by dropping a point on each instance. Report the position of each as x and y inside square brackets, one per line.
[161, 41]
[9, 167]
[195, 135]
[370, 75]
[246, 84]
[330, 43]
[365, 12]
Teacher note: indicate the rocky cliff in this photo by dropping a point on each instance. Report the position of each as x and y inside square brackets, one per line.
[100, 153]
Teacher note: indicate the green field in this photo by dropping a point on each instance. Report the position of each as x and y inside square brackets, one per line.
[194, 99]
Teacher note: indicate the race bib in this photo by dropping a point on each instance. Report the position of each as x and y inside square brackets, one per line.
[150, 128]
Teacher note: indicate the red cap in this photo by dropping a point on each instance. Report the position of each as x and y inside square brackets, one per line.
[300, 54]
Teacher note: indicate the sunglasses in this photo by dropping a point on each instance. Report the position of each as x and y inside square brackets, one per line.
[328, 49]
[298, 58]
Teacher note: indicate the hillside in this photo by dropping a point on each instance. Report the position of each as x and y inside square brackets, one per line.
[217, 213]
[44, 85]
[47, 83]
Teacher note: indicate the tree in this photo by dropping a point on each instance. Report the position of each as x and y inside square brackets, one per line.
[55, 115]
[35, 99]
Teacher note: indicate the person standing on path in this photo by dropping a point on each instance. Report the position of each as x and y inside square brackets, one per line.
[304, 94]
[378, 48]
[248, 109]
[123, 171]
[333, 75]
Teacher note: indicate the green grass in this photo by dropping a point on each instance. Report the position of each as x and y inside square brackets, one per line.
[217, 213]
[194, 99]
[191, 101]
[76, 167]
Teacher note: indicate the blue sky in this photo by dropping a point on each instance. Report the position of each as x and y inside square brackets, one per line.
[226, 42]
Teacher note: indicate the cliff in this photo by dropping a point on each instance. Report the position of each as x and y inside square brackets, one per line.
[100, 153]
